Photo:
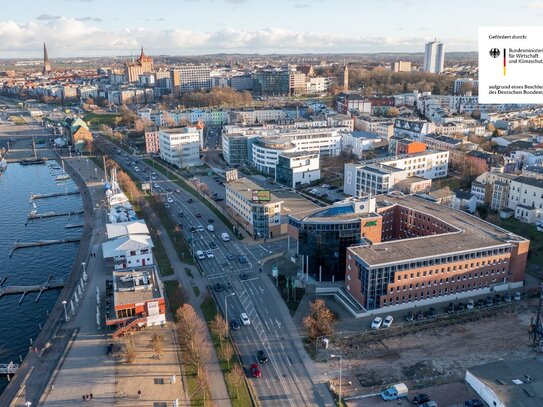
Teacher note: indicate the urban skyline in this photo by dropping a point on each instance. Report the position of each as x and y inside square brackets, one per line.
[88, 28]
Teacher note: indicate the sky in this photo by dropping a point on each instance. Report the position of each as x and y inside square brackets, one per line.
[88, 28]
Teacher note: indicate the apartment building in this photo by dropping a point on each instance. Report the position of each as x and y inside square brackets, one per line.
[434, 57]
[401, 66]
[180, 146]
[190, 78]
[383, 127]
[413, 128]
[152, 144]
[380, 175]
[417, 252]
[297, 169]
[526, 199]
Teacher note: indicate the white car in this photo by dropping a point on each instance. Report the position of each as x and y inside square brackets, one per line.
[200, 228]
[170, 200]
[156, 186]
[388, 321]
[376, 323]
[245, 319]
[209, 254]
[200, 255]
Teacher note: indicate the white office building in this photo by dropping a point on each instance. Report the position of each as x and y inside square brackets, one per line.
[189, 78]
[180, 146]
[434, 57]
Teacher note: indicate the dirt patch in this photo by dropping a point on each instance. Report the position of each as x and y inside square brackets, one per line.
[440, 354]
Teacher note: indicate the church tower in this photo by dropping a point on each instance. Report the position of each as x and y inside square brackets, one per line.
[46, 63]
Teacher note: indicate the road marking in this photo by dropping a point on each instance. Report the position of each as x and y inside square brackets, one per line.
[250, 279]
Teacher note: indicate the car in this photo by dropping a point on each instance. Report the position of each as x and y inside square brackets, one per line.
[218, 287]
[480, 303]
[325, 186]
[517, 296]
[170, 200]
[110, 349]
[245, 319]
[210, 220]
[234, 325]
[169, 189]
[420, 398]
[507, 298]
[156, 186]
[153, 177]
[497, 299]
[473, 403]
[218, 199]
[419, 316]
[212, 245]
[409, 316]
[430, 403]
[200, 255]
[450, 308]
[229, 256]
[180, 226]
[432, 313]
[488, 301]
[198, 215]
[242, 259]
[470, 305]
[255, 371]
[376, 323]
[167, 205]
[209, 254]
[178, 190]
[181, 214]
[190, 200]
[192, 229]
[261, 356]
[243, 276]
[324, 196]
[200, 228]
[388, 321]
[460, 307]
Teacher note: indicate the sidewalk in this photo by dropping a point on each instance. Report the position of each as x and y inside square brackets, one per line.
[215, 378]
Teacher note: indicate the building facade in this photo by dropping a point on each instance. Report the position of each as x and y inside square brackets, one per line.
[180, 146]
[434, 57]
[297, 169]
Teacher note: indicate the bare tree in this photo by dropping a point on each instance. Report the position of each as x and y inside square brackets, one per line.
[157, 343]
[199, 355]
[226, 351]
[237, 375]
[320, 320]
[190, 326]
[129, 351]
[219, 328]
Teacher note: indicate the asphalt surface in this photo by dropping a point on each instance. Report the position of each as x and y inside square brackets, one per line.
[285, 379]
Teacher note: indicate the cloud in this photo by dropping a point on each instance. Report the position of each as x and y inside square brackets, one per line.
[89, 19]
[535, 5]
[301, 5]
[82, 37]
[47, 17]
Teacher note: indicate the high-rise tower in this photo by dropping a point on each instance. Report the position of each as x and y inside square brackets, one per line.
[46, 63]
[343, 81]
[434, 57]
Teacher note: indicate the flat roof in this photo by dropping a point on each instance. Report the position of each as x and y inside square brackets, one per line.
[245, 187]
[517, 382]
[135, 286]
[473, 234]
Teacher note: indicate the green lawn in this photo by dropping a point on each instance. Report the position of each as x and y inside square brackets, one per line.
[96, 119]
[174, 294]
[209, 308]
[186, 186]
[161, 257]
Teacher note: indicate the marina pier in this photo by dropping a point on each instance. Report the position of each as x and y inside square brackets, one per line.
[53, 194]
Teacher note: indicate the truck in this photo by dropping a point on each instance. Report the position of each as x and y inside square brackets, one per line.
[395, 392]
[210, 228]
[225, 237]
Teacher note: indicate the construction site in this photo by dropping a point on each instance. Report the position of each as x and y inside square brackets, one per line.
[436, 351]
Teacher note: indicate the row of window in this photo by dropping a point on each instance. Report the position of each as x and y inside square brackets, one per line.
[448, 280]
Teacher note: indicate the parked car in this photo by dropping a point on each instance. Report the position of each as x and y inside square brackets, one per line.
[192, 229]
[432, 313]
[242, 259]
[243, 276]
[200, 255]
[255, 371]
[450, 308]
[210, 220]
[420, 398]
[212, 245]
[245, 319]
[229, 256]
[410, 316]
[167, 205]
[480, 303]
[507, 298]
[460, 307]
[497, 299]
[218, 287]
[488, 301]
[473, 403]
[470, 305]
[430, 403]
[209, 254]
[200, 228]
[170, 200]
[388, 321]
[198, 215]
[419, 316]
[181, 214]
[234, 325]
[376, 323]
[261, 356]
[190, 200]
[517, 296]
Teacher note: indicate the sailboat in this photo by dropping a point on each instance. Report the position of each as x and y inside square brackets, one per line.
[34, 211]
[3, 163]
[35, 160]
[63, 175]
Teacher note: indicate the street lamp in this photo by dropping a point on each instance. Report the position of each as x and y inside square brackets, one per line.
[226, 308]
[340, 359]
[65, 310]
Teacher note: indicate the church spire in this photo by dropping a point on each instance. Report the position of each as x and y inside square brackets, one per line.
[46, 63]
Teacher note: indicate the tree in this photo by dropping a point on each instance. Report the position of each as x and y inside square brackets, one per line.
[189, 325]
[226, 351]
[157, 343]
[320, 321]
[490, 127]
[129, 351]
[219, 328]
[238, 376]
[201, 354]
[393, 112]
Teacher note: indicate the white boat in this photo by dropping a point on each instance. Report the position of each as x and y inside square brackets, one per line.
[62, 177]
[3, 164]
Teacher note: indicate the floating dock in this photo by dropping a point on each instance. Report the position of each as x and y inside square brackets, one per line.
[75, 225]
[54, 194]
[22, 245]
[50, 284]
[53, 214]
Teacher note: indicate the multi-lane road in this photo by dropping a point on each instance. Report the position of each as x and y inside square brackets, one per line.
[240, 287]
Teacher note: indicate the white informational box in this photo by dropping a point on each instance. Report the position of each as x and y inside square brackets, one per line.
[511, 65]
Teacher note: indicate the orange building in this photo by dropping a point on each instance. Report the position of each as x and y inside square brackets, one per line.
[419, 251]
[134, 69]
[408, 146]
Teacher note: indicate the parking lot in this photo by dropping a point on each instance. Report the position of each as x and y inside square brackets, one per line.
[432, 351]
